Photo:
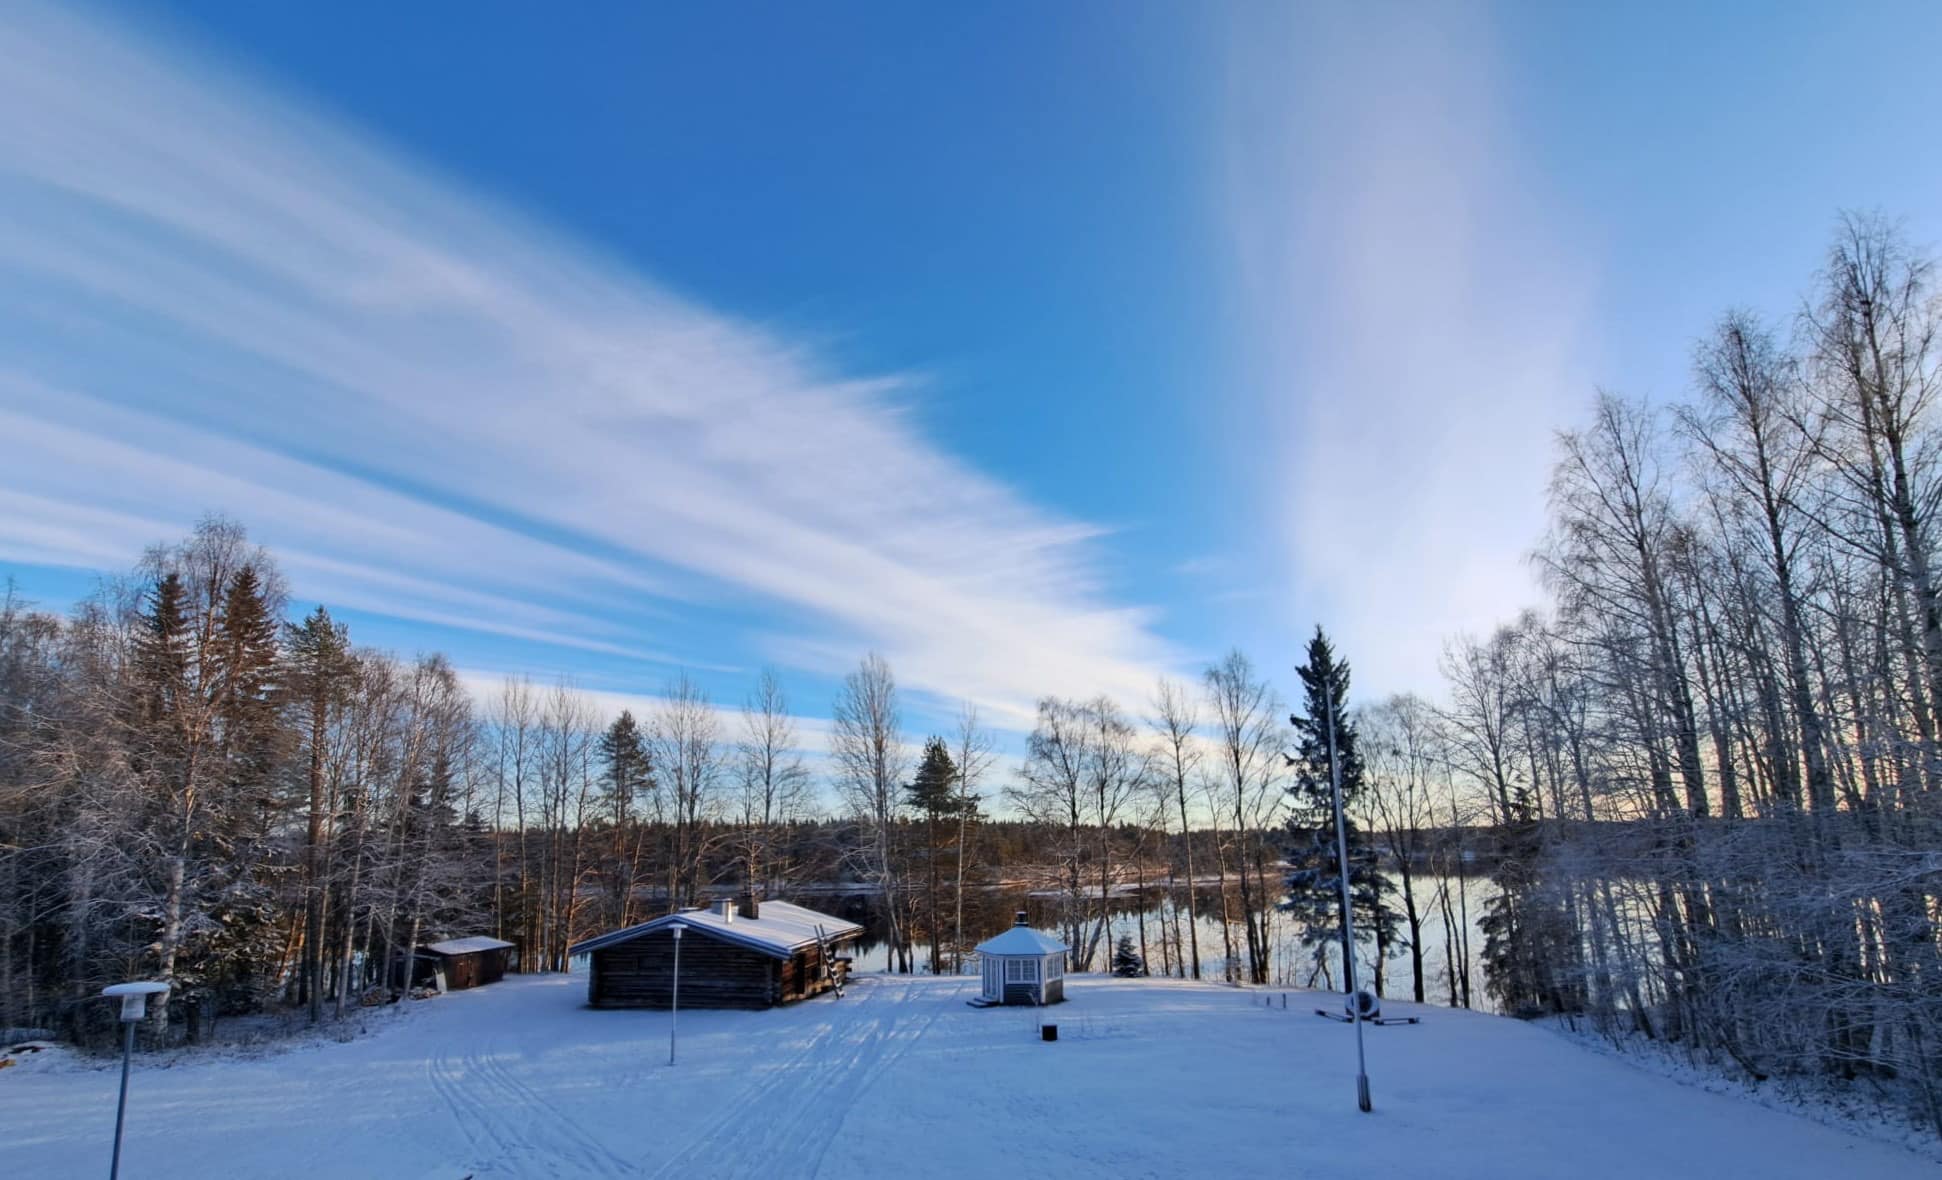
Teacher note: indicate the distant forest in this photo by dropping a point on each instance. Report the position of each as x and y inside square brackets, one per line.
[1704, 779]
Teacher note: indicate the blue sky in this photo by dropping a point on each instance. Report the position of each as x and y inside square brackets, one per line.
[1044, 348]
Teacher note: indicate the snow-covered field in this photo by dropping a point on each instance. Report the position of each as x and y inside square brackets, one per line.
[1148, 1078]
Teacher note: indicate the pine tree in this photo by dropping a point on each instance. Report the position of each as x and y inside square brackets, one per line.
[1127, 963]
[933, 792]
[1314, 880]
[628, 775]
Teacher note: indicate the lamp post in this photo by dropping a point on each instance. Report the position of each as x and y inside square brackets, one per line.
[134, 1006]
[1348, 904]
[674, 1010]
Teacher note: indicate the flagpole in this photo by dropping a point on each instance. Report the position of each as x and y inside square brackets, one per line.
[1348, 905]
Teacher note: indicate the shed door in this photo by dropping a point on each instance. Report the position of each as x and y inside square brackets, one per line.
[993, 986]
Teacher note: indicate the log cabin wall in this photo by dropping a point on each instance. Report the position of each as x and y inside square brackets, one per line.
[639, 973]
[802, 975]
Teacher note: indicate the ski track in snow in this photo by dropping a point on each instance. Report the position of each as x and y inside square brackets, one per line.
[513, 1128]
[841, 1064]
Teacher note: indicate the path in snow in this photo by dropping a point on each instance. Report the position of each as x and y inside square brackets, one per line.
[1148, 1078]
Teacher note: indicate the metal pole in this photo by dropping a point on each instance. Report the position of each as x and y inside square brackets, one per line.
[121, 1107]
[1348, 905]
[674, 1012]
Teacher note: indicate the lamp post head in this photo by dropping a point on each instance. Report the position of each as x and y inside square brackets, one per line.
[134, 997]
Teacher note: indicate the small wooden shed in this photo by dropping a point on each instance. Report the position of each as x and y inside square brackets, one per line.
[1022, 966]
[751, 955]
[461, 962]
[469, 962]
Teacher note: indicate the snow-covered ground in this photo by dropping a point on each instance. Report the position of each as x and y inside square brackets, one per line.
[1148, 1078]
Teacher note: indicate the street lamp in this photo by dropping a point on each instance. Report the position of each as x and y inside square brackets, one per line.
[674, 1010]
[134, 1006]
[1356, 1014]
[1348, 905]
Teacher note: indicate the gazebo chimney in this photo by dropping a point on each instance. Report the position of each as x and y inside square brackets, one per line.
[1021, 919]
[751, 905]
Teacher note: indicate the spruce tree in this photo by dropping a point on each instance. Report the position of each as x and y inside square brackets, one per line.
[162, 656]
[241, 938]
[166, 732]
[1314, 879]
[320, 666]
[252, 733]
[1127, 963]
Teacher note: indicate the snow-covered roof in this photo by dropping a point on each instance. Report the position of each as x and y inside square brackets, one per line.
[781, 931]
[465, 946]
[1021, 940]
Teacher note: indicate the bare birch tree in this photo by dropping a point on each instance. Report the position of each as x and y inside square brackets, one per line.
[867, 747]
[773, 784]
[973, 751]
[684, 740]
[1176, 762]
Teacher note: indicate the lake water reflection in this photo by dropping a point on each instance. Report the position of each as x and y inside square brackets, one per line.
[990, 910]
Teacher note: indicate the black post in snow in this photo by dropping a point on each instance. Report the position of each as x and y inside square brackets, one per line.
[1348, 906]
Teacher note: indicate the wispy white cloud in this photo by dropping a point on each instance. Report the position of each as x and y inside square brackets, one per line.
[487, 690]
[1411, 305]
[813, 734]
[109, 481]
[437, 402]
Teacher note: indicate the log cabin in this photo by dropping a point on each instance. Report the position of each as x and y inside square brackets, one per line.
[755, 954]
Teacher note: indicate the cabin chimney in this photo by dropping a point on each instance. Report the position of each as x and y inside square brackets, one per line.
[1021, 919]
[728, 910]
[751, 906]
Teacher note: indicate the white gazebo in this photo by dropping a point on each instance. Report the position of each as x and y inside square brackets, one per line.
[1022, 966]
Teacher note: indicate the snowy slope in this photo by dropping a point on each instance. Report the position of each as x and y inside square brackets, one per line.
[1148, 1078]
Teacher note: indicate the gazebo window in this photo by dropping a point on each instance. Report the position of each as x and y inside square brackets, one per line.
[1055, 967]
[1021, 971]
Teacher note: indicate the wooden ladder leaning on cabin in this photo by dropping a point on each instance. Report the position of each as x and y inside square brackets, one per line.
[830, 974]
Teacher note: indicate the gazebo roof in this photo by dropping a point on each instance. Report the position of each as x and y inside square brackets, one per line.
[1021, 940]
